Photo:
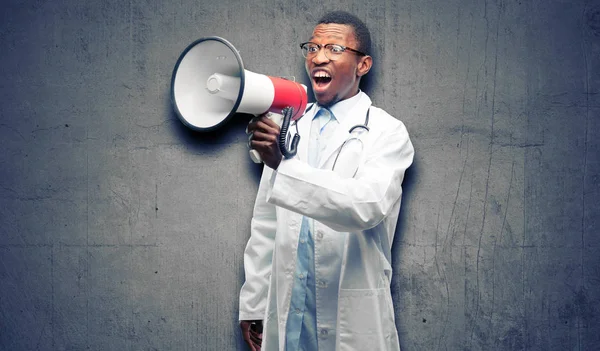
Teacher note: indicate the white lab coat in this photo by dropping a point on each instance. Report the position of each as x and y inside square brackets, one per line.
[355, 219]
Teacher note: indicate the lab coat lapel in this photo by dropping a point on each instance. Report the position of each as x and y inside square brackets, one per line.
[356, 117]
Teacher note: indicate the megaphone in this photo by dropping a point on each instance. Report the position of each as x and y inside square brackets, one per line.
[209, 85]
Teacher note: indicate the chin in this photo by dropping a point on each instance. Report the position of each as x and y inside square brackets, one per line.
[322, 102]
[325, 101]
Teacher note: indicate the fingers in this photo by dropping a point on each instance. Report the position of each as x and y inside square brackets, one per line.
[269, 122]
[264, 127]
[252, 337]
[263, 136]
[247, 339]
[252, 122]
[263, 142]
[246, 334]
[264, 124]
[260, 136]
[256, 339]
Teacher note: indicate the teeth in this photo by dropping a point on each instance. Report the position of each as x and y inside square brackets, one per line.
[322, 74]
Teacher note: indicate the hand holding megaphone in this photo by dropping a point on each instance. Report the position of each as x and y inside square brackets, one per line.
[269, 125]
[275, 117]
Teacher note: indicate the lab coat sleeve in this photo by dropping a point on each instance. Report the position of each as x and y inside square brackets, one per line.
[258, 255]
[347, 204]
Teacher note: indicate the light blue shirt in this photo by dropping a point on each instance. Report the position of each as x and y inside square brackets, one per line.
[301, 329]
[302, 323]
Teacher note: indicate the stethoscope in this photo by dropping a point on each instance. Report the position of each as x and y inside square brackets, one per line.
[354, 134]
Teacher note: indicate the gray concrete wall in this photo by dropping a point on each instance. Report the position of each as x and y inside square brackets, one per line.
[123, 230]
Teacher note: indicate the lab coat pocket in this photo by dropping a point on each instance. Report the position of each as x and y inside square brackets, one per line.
[348, 158]
[366, 320]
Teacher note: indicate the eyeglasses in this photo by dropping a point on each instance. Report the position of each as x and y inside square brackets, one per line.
[332, 51]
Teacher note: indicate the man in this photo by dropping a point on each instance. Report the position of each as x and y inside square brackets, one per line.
[318, 261]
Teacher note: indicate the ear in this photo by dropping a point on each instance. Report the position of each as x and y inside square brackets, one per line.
[364, 65]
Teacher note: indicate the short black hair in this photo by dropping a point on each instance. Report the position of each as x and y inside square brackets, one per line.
[363, 36]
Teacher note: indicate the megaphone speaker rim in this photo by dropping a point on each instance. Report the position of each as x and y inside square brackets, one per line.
[240, 92]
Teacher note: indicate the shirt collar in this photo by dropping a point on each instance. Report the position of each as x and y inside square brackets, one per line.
[342, 108]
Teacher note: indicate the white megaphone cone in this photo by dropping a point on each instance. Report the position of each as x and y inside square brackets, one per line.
[209, 85]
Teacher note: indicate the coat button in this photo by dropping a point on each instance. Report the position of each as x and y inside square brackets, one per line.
[323, 333]
[320, 235]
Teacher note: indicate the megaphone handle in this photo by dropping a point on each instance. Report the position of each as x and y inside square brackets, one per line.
[288, 112]
[255, 156]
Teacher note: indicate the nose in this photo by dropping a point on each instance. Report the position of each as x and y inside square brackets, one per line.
[320, 57]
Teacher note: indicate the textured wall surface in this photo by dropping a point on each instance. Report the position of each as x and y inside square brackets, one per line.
[120, 229]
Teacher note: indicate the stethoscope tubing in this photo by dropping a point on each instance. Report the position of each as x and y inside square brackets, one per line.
[364, 126]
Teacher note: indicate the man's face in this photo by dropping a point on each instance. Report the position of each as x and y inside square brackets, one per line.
[333, 81]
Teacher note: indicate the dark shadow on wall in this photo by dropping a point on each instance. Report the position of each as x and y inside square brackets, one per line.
[212, 142]
[408, 188]
[232, 131]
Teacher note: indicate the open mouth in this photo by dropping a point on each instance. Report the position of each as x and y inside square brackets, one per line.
[321, 79]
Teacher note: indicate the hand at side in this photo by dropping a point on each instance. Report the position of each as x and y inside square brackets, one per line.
[252, 333]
